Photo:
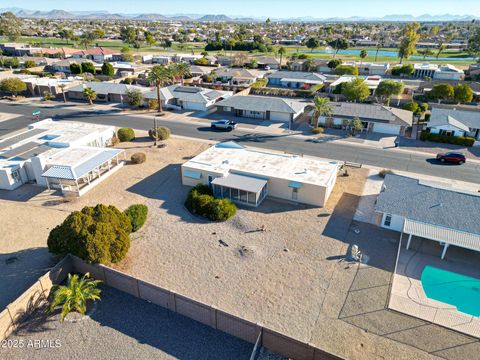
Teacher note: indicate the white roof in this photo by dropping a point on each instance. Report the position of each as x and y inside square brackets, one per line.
[225, 158]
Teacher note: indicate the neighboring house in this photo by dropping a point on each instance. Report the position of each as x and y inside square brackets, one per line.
[267, 61]
[261, 107]
[474, 71]
[371, 81]
[438, 72]
[235, 76]
[19, 49]
[225, 60]
[427, 86]
[196, 70]
[69, 156]
[64, 65]
[189, 97]
[157, 59]
[186, 58]
[369, 68]
[249, 176]
[430, 211]
[98, 54]
[62, 52]
[374, 117]
[39, 61]
[126, 68]
[106, 91]
[320, 65]
[455, 122]
[295, 79]
[37, 86]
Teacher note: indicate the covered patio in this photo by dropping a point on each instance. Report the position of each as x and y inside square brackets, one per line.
[81, 177]
[241, 189]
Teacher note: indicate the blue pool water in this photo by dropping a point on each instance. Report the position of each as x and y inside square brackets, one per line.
[458, 290]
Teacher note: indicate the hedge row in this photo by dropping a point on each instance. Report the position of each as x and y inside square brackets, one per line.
[200, 201]
[456, 140]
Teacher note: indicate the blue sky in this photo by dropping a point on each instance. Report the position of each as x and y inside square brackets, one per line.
[272, 8]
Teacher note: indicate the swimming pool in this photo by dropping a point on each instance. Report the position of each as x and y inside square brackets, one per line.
[458, 290]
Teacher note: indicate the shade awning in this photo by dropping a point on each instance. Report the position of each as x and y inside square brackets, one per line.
[192, 174]
[241, 182]
[295, 184]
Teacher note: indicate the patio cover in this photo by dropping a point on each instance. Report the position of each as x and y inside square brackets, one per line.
[241, 182]
[443, 234]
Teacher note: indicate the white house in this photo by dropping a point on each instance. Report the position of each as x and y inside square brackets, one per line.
[438, 72]
[70, 156]
[248, 176]
[430, 211]
[454, 122]
[369, 68]
[295, 79]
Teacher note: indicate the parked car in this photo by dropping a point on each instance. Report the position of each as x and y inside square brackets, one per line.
[452, 157]
[224, 125]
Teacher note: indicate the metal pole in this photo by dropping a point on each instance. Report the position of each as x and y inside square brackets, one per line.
[155, 135]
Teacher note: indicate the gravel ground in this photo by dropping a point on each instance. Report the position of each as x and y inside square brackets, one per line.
[123, 327]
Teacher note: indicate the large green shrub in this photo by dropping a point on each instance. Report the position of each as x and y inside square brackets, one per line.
[163, 133]
[456, 140]
[138, 215]
[200, 201]
[125, 134]
[97, 234]
[411, 106]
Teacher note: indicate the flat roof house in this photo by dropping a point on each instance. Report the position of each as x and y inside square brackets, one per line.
[438, 72]
[369, 68]
[262, 107]
[375, 117]
[248, 176]
[69, 156]
[454, 122]
[430, 211]
[295, 79]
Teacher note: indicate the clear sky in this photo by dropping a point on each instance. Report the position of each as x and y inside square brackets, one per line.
[271, 8]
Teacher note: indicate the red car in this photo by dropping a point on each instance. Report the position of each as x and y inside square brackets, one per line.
[452, 157]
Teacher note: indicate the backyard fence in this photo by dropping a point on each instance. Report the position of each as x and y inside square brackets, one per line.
[209, 315]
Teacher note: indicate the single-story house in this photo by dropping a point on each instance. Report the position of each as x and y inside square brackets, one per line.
[37, 86]
[235, 76]
[19, 49]
[69, 156]
[64, 65]
[106, 91]
[430, 211]
[156, 59]
[98, 54]
[186, 58]
[375, 117]
[371, 81]
[270, 61]
[249, 176]
[189, 97]
[474, 71]
[295, 79]
[454, 122]
[320, 65]
[262, 107]
[225, 60]
[38, 60]
[438, 72]
[369, 68]
[197, 70]
[62, 52]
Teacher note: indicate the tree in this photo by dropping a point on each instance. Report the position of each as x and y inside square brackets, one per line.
[128, 35]
[332, 64]
[167, 43]
[87, 38]
[388, 88]
[89, 94]
[309, 65]
[127, 54]
[10, 26]
[463, 93]
[179, 71]
[99, 234]
[426, 52]
[379, 45]
[346, 70]
[338, 44]
[135, 98]
[75, 69]
[282, 52]
[322, 107]
[442, 92]
[12, 86]
[88, 67]
[74, 296]
[158, 75]
[98, 33]
[11, 62]
[66, 34]
[474, 44]
[107, 69]
[312, 43]
[406, 69]
[150, 39]
[411, 106]
[29, 64]
[356, 90]
[363, 55]
[355, 125]
[409, 41]
[62, 87]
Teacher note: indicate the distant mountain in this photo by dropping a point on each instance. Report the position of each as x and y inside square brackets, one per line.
[215, 18]
[150, 17]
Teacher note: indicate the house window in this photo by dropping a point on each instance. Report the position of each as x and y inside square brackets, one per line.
[227, 109]
[388, 220]
[16, 175]
[447, 132]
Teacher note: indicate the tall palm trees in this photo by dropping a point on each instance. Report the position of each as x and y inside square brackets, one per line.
[158, 75]
[74, 296]
[281, 51]
[322, 107]
[89, 94]
[179, 71]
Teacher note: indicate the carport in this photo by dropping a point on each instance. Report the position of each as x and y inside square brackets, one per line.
[242, 189]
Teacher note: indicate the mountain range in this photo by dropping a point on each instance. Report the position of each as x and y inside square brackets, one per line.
[105, 15]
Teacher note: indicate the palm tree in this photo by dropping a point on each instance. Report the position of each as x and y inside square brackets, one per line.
[281, 51]
[62, 87]
[379, 45]
[158, 75]
[363, 55]
[180, 71]
[89, 94]
[74, 296]
[322, 107]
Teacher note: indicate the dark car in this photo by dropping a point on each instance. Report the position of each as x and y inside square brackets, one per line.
[452, 157]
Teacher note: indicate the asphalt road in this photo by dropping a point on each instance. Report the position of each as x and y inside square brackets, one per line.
[391, 159]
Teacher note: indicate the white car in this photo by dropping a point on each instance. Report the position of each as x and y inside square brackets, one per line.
[224, 125]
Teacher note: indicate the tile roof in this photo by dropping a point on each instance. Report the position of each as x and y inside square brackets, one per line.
[97, 51]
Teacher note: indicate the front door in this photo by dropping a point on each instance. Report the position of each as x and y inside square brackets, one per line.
[294, 193]
[210, 179]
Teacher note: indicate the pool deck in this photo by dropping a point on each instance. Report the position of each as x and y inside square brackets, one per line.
[408, 297]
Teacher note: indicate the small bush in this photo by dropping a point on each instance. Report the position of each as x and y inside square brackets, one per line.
[126, 134]
[163, 133]
[318, 130]
[115, 141]
[152, 104]
[384, 172]
[138, 215]
[200, 201]
[138, 158]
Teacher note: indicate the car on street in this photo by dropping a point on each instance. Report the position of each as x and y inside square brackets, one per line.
[452, 157]
[224, 125]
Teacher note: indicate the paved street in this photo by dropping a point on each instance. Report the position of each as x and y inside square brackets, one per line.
[390, 158]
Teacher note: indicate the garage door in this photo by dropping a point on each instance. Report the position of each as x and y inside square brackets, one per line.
[193, 106]
[278, 116]
[386, 128]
